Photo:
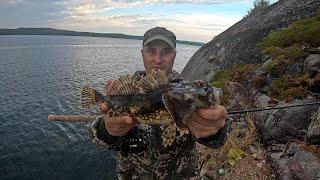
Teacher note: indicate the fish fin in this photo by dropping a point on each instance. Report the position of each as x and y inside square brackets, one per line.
[176, 109]
[169, 135]
[153, 81]
[89, 97]
[162, 77]
[125, 85]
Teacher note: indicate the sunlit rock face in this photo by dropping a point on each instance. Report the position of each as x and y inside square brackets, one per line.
[313, 135]
[238, 44]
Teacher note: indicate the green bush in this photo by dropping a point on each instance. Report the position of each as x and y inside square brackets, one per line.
[278, 87]
[258, 5]
[306, 31]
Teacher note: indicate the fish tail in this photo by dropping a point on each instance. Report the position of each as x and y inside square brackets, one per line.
[89, 97]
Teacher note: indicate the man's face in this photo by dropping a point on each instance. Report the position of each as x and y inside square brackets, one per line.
[158, 55]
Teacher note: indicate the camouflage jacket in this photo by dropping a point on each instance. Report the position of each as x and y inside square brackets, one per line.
[142, 156]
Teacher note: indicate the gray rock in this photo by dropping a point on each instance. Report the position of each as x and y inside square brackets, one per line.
[238, 44]
[277, 147]
[283, 125]
[312, 63]
[238, 96]
[313, 135]
[296, 164]
[262, 100]
[264, 66]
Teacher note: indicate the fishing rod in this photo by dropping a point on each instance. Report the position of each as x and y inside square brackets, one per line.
[84, 118]
[271, 108]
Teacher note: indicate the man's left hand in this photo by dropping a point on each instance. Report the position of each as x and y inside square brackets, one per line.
[206, 122]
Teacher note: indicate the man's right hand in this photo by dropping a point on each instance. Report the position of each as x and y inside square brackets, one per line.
[118, 125]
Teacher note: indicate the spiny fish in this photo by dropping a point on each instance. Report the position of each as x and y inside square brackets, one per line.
[154, 100]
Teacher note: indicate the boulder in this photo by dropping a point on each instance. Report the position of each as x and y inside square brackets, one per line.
[283, 125]
[238, 44]
[294, 162]
[313, 135]
[312, 63]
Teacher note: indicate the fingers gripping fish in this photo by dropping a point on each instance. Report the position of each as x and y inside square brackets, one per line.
[154, 100]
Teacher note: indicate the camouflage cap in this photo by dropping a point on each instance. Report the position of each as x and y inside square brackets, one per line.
[160, 33]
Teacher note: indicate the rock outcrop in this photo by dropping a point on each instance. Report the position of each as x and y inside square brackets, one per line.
[294, 161]
[284, 125]
[286, 73]
[238, 44]
[313, 134]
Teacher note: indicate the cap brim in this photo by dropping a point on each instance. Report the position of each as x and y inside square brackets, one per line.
[163, 38]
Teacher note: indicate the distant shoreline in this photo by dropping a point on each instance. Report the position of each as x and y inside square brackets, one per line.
[51, 31]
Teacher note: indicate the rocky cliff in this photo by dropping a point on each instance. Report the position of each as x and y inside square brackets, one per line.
[238, 44]
[268, 59]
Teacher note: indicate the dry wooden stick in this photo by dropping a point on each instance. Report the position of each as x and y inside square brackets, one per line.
[71, 118]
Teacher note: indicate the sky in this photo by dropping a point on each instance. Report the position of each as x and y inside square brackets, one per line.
[191, 20]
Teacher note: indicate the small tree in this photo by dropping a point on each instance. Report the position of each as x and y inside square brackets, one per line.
[258, 5]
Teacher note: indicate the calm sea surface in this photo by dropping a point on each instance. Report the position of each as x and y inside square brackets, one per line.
[41, 75]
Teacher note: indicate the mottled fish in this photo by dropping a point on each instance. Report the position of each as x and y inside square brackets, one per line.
[154, 100]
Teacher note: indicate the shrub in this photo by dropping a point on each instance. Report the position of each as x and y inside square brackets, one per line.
[258, 5]
[306, 31]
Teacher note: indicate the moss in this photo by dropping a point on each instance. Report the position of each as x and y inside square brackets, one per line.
[303, 31]
[259, 81]
[222, 84]
[288, 88]
[273, 51]
[305, 80]
[294, 52]
[293, 93]
[219, 75]
[236, 73]
[278, 87]
[273, 70]
[282, 58]
[242, 72]
[216, 84]
[285, 47]
[286, 57]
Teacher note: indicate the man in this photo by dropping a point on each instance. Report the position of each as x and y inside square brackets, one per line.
[140, 151]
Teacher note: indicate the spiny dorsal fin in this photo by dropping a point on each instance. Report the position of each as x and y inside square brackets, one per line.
[125, 85]
[153, 81]
[89, 97]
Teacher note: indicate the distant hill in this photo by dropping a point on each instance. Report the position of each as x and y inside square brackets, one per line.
[51, 31]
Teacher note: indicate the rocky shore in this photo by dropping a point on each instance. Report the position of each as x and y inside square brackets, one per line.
[268, 59]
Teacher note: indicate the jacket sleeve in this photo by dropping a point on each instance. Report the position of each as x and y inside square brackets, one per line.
[100, 135]
[217, 140]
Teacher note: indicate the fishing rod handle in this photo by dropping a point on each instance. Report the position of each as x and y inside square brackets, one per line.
[71, 118]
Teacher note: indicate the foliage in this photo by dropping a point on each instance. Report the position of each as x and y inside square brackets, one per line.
[236, 73]
[286, 48]
[289, 88]
[277, 87]
[259, 81]
[282, 58]
[306, 31]
[234, 155]
[258, 5]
